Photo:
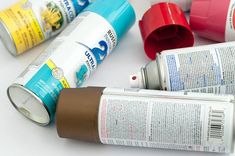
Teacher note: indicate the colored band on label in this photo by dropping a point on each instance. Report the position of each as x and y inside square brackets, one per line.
[47, 84]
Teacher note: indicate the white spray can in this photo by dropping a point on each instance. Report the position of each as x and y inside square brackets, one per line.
[208, 68]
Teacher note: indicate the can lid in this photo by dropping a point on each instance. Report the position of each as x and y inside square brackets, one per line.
[77, 113]
[120, 14]
[208, 18]
[28, 104]
[164, 26]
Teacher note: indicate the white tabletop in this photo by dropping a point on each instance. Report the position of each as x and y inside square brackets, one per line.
[18, 136]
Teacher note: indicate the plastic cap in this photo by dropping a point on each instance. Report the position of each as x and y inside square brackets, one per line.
[119, 13]
[164, 26]
[208, 18]
[77, 113]
[136, 81]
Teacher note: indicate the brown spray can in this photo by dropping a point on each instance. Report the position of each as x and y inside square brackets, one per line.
[147, 118]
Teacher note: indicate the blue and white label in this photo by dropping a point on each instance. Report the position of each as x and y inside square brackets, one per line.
[47, 84]
[70, 59]
[200, 68]
[95, 45]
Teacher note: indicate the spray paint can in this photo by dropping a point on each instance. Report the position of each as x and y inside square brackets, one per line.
[146, 118]
[31, 22]
[210, 66]
[71, 58]
[213, 19]
[183, 4]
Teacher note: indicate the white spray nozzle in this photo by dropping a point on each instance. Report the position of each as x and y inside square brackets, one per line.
[136, 81]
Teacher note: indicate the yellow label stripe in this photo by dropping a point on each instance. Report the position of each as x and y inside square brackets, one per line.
[22, 25]
[51, 64]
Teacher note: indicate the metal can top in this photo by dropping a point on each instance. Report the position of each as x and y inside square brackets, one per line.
[28, 104]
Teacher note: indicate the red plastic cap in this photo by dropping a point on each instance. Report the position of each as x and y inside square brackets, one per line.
[164, 26]
[208, 18]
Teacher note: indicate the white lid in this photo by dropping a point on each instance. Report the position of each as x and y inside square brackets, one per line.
[136, 81]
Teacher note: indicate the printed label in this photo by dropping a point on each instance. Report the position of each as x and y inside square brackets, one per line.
[223, 89]
[187, 69]
[166, 122]
[23, 25]
[47, 84]
[230, 22]
[71, 58]
[30, 22]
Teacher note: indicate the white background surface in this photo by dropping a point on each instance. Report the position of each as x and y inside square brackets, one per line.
[19, 136]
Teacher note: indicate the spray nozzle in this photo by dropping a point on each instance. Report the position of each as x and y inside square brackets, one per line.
[136, 81]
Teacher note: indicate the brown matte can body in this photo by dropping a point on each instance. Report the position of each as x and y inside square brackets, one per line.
[79, 120]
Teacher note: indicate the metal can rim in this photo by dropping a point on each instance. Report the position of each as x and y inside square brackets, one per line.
[34, 96]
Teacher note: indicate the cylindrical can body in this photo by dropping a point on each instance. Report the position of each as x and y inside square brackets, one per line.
[183, 4]
[68, 61]
[209, 66]
[31, 22]
[146, 118]
[213, 19]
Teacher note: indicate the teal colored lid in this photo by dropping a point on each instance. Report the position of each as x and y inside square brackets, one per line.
[119, 13]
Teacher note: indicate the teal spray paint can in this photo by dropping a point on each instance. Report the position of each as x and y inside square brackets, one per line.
[71, 58]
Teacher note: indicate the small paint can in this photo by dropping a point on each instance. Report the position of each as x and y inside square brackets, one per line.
[31, 22]
[147, 118]
[71, 58]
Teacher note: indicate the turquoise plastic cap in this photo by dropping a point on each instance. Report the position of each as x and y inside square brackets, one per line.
[119, 13]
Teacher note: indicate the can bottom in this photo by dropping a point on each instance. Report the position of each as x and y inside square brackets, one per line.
[7, 39]
[28, 104]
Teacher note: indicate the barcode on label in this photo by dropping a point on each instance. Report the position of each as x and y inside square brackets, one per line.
[216, 124]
